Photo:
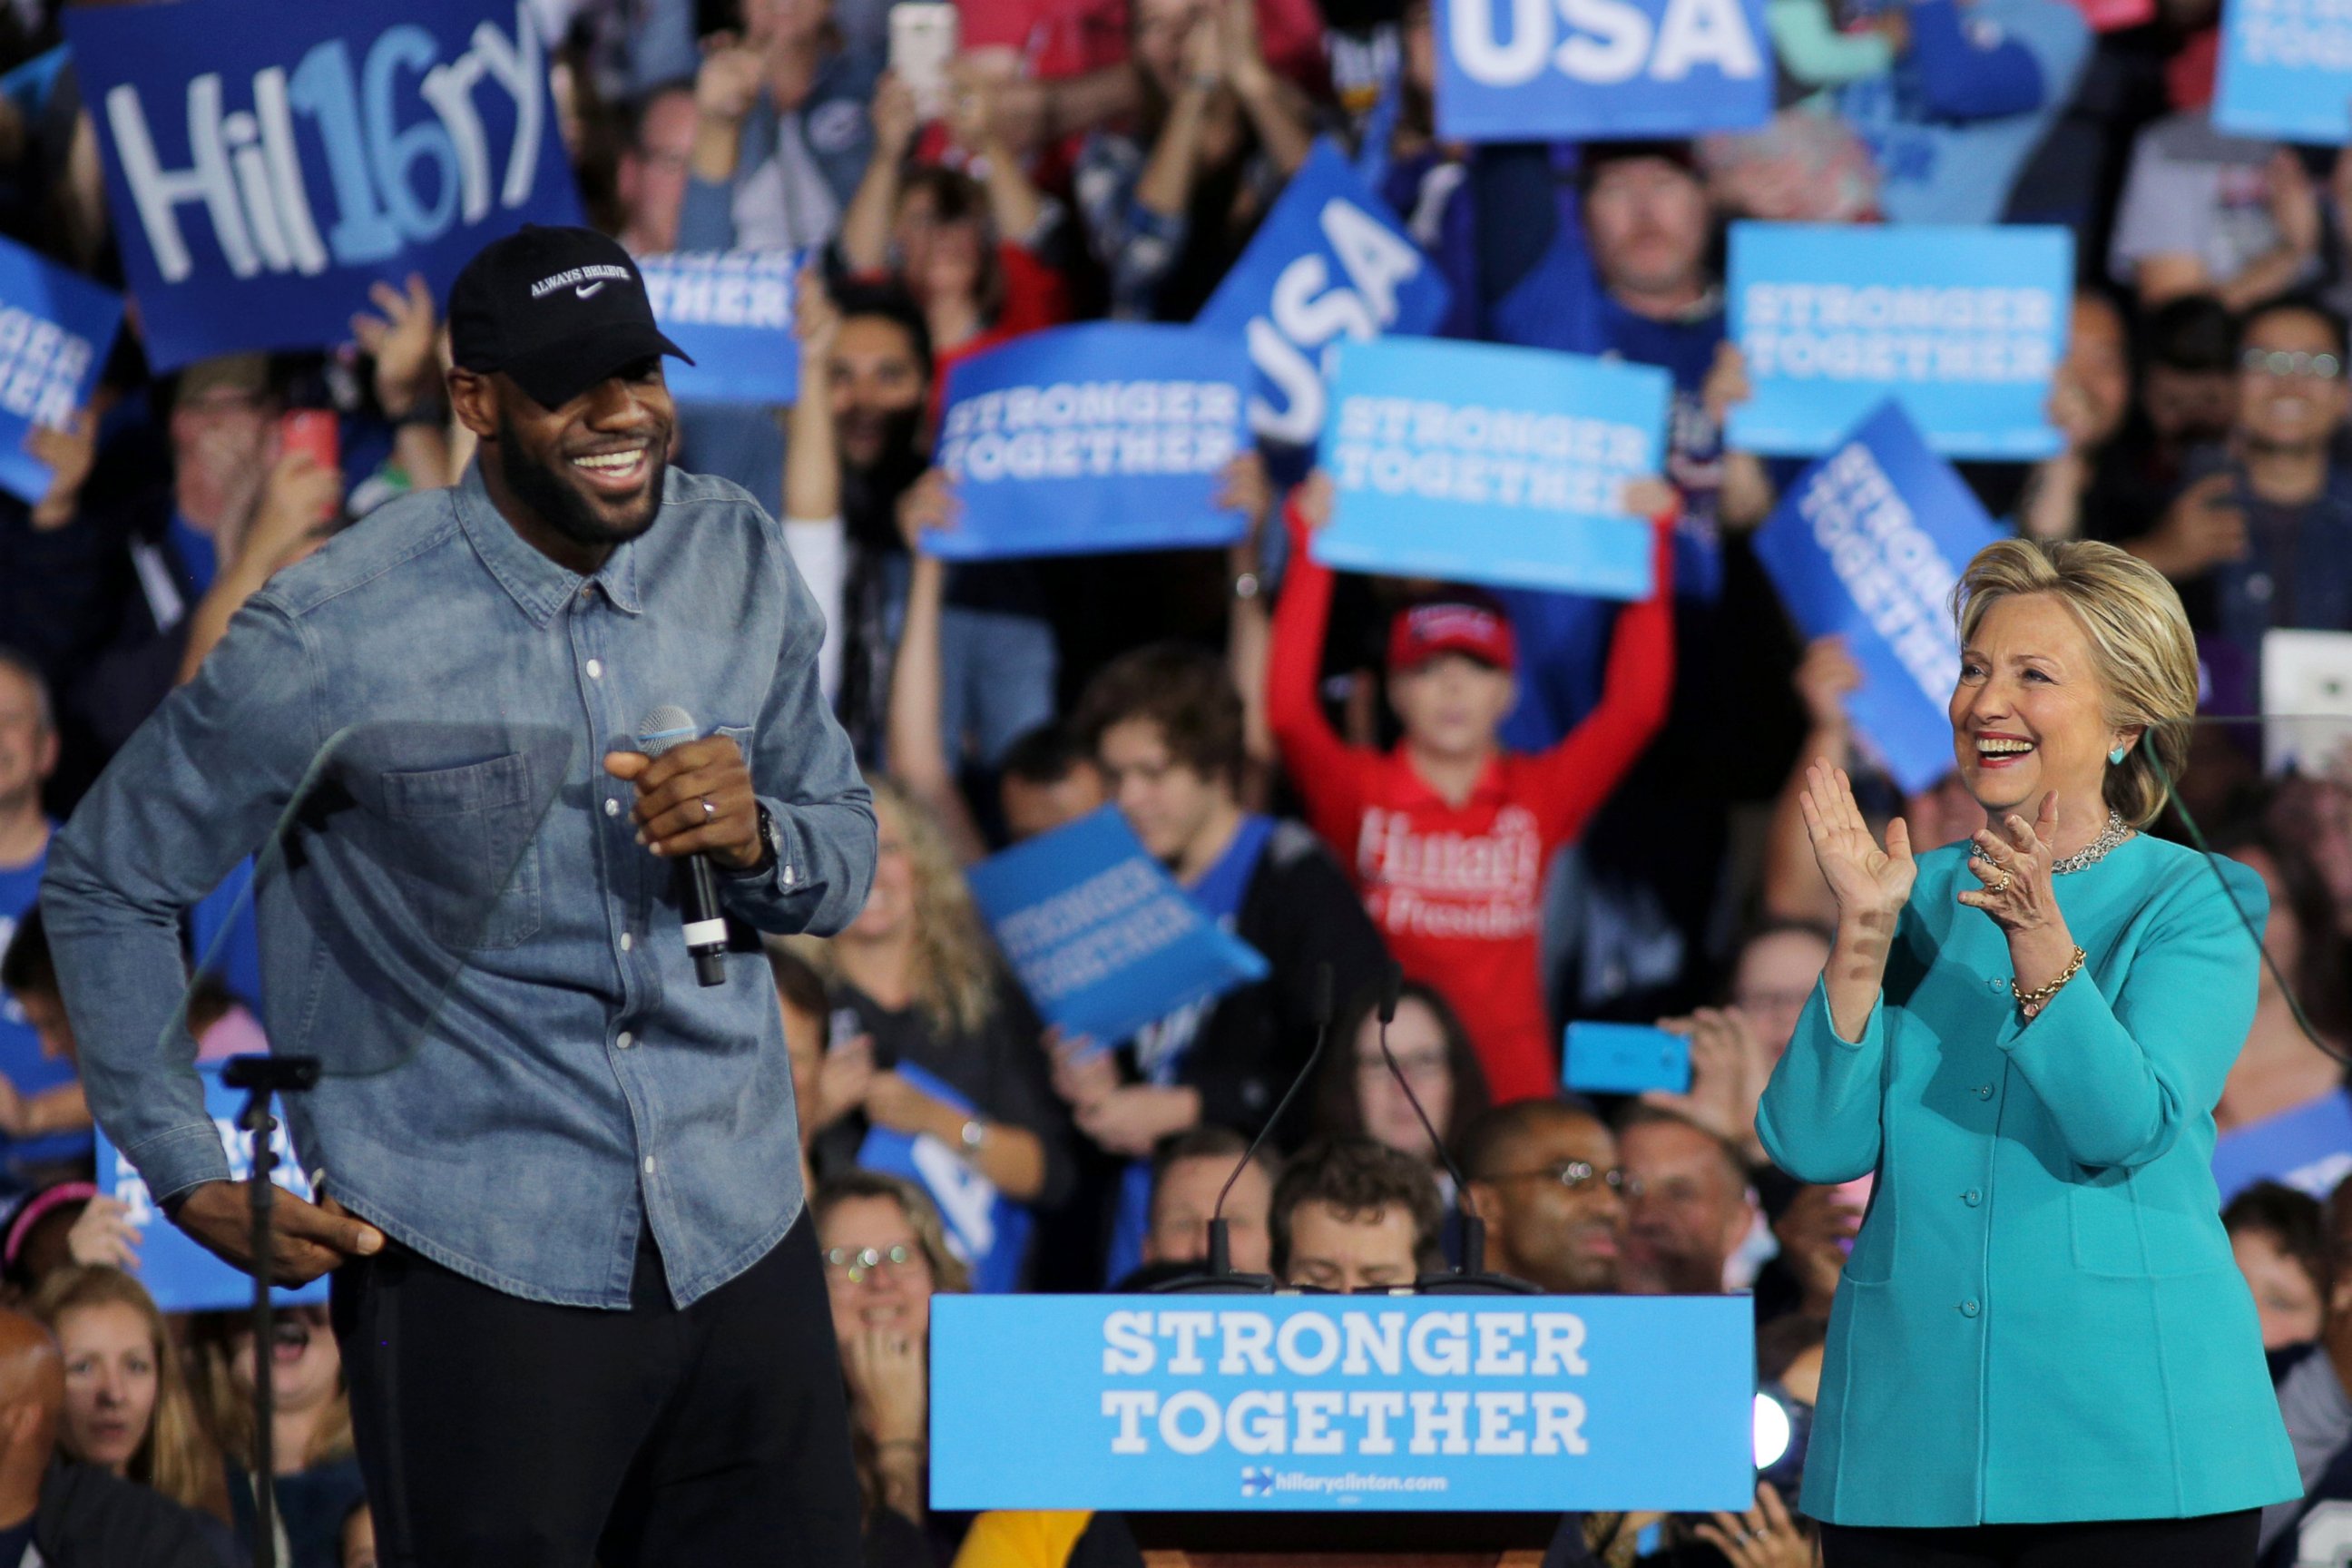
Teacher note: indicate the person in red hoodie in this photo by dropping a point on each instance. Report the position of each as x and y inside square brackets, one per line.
[1447, 837]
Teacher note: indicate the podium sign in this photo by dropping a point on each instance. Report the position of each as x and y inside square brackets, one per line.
[1416, 1404]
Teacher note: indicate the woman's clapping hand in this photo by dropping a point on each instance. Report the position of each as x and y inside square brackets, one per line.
[1867, 881]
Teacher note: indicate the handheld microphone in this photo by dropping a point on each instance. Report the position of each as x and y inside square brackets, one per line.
[1218, 1276]
[706, 925]
[1471, 1278]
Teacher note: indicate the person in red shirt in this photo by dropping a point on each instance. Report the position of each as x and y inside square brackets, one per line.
[1447, 837]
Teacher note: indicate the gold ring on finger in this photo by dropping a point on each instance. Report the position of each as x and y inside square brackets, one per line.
[2002, 885]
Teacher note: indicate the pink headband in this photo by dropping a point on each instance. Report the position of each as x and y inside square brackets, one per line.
[37, 1206]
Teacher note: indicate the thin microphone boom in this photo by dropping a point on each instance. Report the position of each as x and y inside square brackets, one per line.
[1219, 1273]
[1472, 1275]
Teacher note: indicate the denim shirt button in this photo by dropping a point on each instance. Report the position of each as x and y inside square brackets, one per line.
[649, 1165]
[627, 941]
[595, 669]
[625, 1040]
[612, 809]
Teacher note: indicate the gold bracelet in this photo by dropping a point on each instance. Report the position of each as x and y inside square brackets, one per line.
[2032, 1001]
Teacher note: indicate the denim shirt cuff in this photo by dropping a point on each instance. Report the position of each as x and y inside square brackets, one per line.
[171, 1162]
[788, 876]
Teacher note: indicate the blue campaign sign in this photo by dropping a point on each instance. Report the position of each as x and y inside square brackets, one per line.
[988, 1230]
[267, 160]
[2285, 71]
[1330, 261]
[1541, 70]
[1487, 464]
[1866, 545]
[182, 1276]
[56, 327]
[1093, 439]
[1310, 1403]
[1103, 938]
[732, 312]
[1966, 326]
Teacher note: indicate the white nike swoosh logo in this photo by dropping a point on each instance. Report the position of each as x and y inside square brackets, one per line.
[587, 289]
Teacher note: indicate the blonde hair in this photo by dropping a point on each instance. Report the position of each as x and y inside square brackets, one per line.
[2138, 634]
[175, 1457]
[227, 1404]
[956, 966]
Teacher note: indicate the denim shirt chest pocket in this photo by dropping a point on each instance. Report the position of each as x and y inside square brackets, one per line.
[470, 851]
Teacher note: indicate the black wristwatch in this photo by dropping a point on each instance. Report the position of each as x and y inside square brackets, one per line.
[771, 846]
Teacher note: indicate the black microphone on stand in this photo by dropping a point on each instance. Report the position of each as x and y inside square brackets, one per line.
[706, 924]
[1218, 1277]
[1471, 1278]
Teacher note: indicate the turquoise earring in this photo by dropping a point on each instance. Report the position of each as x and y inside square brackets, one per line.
[2119, 755]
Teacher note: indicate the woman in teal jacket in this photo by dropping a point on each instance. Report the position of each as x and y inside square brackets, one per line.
[2041, 1354]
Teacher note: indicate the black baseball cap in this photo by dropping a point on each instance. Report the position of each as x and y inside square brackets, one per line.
[558, 310]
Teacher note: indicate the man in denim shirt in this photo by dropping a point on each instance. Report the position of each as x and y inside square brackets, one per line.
[579, 1299]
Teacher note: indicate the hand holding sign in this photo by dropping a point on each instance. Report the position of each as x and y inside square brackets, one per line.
[403, 338]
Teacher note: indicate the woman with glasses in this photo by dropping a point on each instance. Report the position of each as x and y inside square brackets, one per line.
[1355, 1094]
[2041, 1354]
[885, 1256]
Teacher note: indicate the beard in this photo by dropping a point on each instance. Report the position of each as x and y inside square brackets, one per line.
[566, 508]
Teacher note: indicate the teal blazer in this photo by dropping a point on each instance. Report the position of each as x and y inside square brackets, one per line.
[2041, 1320]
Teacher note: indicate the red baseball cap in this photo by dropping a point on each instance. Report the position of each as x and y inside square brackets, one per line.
[1453, 624]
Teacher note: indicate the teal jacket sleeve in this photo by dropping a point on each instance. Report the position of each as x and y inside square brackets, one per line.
[2121, 1074]
[1819, 1118]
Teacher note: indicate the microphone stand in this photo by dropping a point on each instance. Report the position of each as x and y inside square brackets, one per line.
[1218, 1277]
[262, 1078]
[1472, 1278]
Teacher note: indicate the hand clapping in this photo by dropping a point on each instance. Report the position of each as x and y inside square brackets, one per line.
[1865, 879]
[2014, 864]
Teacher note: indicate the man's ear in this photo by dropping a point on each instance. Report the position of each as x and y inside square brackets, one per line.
[474, 398]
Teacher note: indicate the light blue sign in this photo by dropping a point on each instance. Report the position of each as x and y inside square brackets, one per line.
[1093, 439]
[182, 1276]
[1103, 938]
[2285, 71]
[267, 160]
[1866, 545]
[732, 312]
[1966, 326]
[1313, 1403]
[1484, 464]
[988, 1230]
[1580, 70]
[1329, 262]
[56, 327]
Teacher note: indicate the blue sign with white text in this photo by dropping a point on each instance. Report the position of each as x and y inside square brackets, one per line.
[1102, 938]
[732, 312]
[267, 160]
[1435, 1404]
[1966, 326]
[1081, 440]
[1330, 261]
[2285, 71]
[1484, 464]
[988, 1230]
[1866, 545]
[56, 327]
[182, 1276]
[1584, 70]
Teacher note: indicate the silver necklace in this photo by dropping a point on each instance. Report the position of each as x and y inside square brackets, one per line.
[2091, 854]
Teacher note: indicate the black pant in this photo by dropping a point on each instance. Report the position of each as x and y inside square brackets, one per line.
[2208, 1541]
[511, 1433]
